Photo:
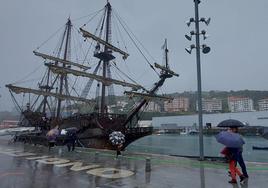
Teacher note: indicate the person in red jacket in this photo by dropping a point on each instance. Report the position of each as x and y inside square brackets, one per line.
[232, 166]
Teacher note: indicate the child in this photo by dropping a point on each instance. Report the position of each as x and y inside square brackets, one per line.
[232, 166]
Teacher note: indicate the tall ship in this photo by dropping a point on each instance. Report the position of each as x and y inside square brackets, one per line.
[81, 93]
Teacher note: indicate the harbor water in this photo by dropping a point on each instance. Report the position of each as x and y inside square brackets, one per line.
[188, 145]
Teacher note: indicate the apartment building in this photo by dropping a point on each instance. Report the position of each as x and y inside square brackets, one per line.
[152, 107]
[263, 104]
[179, 104]
[210, 105]
[240, 104]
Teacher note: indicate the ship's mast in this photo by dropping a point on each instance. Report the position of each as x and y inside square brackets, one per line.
[47, 88]
[166, 54]
[106, 51]
[165, 73]
[63, 76]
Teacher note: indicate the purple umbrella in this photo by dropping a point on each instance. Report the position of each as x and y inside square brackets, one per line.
[52, 134]
[230, 139]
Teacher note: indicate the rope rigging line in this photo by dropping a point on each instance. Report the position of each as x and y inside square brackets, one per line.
[120, 33]
[119, 18]
[35, 102]
[17, 106]
[80, 47]
[114, 65]
[102, 21]
[124, 27]
[25, 81]
[22, 101]
[51, 36]
[119, 75]
[116, 34]
[92, 18]
[44, 78]
[22, 80]
[96, 30]
[75, 48]
[76, 19]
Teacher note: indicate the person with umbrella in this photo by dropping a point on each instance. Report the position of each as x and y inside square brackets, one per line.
[239, 156]
[52, 136]
[71, 138]
[234, 143]
[232, 165]
[117, 139]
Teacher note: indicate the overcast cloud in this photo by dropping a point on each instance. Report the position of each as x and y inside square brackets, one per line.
[237, 32]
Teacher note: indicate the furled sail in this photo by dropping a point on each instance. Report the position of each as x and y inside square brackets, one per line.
[66, 62]
[101, 41]
[18, 89]
[166, 69]
[146, 95]
[106, 81]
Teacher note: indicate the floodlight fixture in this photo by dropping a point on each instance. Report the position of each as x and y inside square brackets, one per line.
[190, 21]
[205, 36]
[205, 49]
[203, 32]
[206, 21]
[189, 50]
[190, 37]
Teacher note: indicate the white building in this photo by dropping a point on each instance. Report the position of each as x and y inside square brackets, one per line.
[152, 107]
[263, 104]
[179, 104]
[211, 105]
[121, 103]
[240, 104]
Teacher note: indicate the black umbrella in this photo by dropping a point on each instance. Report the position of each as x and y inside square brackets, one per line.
[71, 130]
[230, 123]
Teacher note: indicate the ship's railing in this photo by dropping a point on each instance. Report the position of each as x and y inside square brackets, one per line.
[112, 116]
[139, 130]
[91, 115]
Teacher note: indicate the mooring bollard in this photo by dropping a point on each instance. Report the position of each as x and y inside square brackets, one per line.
[96, 154]
[60, 151]
[96, 157]
[148, 164]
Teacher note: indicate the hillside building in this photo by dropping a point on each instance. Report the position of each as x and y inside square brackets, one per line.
[179, 104]
[210, 105]
[263, 104]
[152, 107]
[240, 104]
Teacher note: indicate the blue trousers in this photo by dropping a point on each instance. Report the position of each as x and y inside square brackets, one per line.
[237, 156]
[241, 163]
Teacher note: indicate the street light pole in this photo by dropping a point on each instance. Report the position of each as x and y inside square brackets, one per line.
[205, 50]
[199, 88]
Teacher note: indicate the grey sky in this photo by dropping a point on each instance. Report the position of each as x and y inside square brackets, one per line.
[237, 38]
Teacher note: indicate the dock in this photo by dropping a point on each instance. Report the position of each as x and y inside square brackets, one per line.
[29, 166]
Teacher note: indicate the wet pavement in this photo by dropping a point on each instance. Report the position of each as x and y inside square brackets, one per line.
[28, 166]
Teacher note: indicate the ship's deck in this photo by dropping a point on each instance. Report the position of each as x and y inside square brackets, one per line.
[26, 166]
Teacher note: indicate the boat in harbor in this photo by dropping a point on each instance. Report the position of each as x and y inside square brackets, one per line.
[56, 101]
[265, 133]
[189, 131]
[262, 117]
[259, 148]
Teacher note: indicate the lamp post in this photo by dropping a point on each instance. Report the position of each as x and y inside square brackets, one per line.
[205, 50]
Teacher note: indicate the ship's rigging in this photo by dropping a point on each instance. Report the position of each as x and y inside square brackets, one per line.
[56, 92]
[68, 83]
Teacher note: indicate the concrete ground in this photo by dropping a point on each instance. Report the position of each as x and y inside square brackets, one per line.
[28, 166]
